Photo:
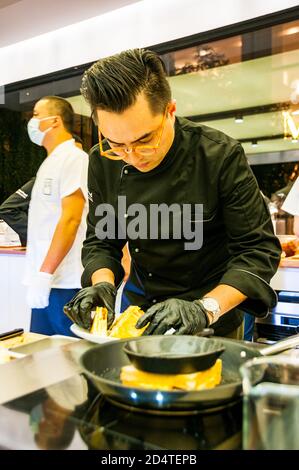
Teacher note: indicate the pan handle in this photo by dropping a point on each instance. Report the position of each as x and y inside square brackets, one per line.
[280, 346]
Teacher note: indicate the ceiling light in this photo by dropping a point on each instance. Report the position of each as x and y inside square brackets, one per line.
[239, 119]
[290, 127]
[203, 52]
[238, 43]
[289, 31]
[254, 143]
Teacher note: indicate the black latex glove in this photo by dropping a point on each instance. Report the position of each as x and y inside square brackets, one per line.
[187, 318]
[100, 295]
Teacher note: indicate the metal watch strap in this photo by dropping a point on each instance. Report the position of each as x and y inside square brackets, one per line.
[208, 323]
[214, 312]
[207, 318]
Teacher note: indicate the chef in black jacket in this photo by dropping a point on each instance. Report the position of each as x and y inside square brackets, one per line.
[14, 210]
[152, 157]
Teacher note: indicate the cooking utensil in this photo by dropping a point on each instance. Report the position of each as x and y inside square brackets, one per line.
[11, 334]
[103, 364]
[85, 334]
[173, 354]
[271, 403]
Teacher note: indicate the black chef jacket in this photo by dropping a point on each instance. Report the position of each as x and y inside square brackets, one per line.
[14, 210]
[203, 166]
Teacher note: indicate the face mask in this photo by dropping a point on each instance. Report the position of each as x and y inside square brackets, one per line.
[35, 134]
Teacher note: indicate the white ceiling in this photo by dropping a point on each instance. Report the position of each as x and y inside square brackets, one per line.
[24, 19]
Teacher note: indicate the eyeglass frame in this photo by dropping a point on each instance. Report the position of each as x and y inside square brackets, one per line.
[103, 153]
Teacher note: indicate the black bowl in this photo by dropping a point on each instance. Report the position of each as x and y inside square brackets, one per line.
[173, 354]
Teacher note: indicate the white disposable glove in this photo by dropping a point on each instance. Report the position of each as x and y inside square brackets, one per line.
[39, 289]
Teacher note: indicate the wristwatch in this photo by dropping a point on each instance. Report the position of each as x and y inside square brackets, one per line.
[212, 307]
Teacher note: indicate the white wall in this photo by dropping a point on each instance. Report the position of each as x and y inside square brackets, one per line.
[138, 25]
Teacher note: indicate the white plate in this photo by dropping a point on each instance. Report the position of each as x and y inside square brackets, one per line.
[85, 334]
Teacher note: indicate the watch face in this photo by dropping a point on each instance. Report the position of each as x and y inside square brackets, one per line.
[211, 305]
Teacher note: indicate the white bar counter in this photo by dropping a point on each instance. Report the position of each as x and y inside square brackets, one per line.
[14, 311]
[286, 278]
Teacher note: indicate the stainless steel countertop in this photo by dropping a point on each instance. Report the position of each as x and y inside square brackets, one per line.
[51, 364]
[51, 369]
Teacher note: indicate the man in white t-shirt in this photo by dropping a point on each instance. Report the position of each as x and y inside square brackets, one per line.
[57, 214]
[291, 205]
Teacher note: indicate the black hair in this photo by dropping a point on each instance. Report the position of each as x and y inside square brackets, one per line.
[77, 138]
[113, 83]
[63, 108]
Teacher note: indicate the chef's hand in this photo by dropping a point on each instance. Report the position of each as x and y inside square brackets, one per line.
[79, 308]
[39, 289]
[187, 318]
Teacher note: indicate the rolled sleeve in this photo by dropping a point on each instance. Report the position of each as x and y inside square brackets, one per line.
[254, 249]
[74, 174]
[261, 297]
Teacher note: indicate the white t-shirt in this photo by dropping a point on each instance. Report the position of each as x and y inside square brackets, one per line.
[291, 203]
[62, 173]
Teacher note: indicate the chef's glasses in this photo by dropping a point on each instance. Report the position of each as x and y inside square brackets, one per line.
[118, 153]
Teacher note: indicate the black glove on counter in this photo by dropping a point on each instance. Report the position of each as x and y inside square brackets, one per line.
[79, 308]
[187, 318]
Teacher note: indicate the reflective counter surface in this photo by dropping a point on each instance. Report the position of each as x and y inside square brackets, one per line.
[46, 403]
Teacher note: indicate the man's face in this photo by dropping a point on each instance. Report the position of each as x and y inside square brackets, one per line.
[41, 110]
[138, 126]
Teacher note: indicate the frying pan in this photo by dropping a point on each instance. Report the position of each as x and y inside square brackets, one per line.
[102, 365]
[173, 354]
